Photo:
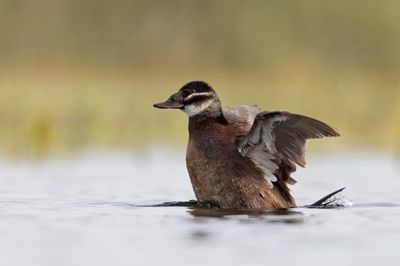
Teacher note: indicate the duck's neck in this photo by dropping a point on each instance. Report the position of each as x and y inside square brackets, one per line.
[210, 117]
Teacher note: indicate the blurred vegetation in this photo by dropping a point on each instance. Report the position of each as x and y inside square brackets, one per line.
[85, 73]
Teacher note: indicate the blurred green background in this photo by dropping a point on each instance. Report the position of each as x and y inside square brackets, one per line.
[77, 74]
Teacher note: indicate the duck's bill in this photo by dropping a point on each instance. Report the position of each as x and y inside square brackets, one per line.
[168, 105]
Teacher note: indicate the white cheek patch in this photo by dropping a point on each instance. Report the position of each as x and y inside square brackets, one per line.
[196, 94]
[194, 109]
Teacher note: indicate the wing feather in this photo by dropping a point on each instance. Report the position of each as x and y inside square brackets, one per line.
[276, 141]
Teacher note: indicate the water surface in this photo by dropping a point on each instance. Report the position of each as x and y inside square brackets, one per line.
[83, 209]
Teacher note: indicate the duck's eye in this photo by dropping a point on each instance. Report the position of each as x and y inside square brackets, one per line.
[185, 94]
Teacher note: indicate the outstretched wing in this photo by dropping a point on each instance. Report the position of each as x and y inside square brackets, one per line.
[276, 142]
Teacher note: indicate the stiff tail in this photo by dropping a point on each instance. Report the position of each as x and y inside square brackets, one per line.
[331, 200]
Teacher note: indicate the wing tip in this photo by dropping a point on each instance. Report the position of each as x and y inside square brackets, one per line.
[333, 132]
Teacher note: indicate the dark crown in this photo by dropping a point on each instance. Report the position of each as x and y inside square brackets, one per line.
[198, 90]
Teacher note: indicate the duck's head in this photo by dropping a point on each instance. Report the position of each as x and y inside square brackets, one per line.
[193, 98]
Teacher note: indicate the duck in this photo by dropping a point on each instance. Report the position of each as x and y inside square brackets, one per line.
[241, 157]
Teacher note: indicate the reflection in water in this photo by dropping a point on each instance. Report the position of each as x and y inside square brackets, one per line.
[199, 235]
[203, 209]
[272, 215]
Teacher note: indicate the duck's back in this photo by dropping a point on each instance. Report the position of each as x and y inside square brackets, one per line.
[241, 116]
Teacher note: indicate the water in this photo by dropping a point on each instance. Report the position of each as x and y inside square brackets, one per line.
[82, 210]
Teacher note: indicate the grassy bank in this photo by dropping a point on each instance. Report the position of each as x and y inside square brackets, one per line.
[46, 109]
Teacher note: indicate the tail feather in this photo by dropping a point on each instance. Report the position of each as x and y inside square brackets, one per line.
[327, 201]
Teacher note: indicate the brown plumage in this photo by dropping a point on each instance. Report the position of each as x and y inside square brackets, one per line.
[240, 157]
